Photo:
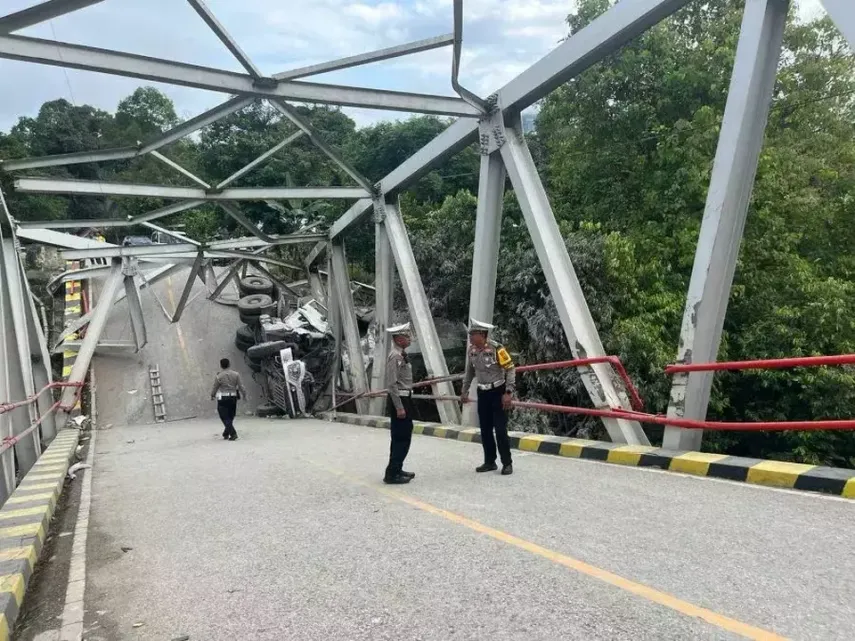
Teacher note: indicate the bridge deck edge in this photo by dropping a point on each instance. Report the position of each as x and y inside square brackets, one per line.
[781, 474]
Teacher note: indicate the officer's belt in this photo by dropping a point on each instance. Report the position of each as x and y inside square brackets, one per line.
[226, 395]
[488, 386]
[405, 392]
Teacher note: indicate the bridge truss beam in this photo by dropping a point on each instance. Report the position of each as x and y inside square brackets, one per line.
[420, 314]
[346, 318]
[485, 257]
[734, 168]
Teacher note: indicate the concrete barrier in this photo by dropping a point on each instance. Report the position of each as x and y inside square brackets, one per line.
[811, 478]
[24, 522]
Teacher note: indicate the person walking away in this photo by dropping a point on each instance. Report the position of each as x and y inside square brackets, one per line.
[399, 404]
[492, 367]
[228, 389]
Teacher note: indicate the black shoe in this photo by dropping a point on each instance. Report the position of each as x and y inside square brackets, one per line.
[409, 475]
[225, 437]
[398, 479]
[508, 469]
[487, 467]
[233, 437]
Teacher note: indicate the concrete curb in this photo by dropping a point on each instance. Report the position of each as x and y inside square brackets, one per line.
[811, 478]
[24, 522]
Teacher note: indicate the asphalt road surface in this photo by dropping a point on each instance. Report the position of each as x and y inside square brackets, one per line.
[290, 534]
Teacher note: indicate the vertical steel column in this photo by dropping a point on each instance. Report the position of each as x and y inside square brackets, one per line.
[740, 142]
[20, 374]
[132, 295]
[485, 258]
[347, 318]
[93, 333]
[317, 286]
[7, 459]
[9, 390]
[42, 371]
[420, 314]
[383, 287]
[195, 270]
[582, 335]
[334, 316]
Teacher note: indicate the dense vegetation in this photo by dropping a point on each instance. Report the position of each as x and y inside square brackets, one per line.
[626, 151]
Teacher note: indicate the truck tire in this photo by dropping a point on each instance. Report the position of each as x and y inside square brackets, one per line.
[255, 285]
[254, 304]
[251, 321]
[266, 350]
[244, 337]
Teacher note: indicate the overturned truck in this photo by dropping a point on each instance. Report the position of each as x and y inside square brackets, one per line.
[287, 345]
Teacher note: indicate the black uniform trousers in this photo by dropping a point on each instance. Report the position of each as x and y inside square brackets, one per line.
[227, 408]
[402, 434]
[492, 416]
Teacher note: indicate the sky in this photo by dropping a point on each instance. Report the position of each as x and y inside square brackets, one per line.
[501, 38]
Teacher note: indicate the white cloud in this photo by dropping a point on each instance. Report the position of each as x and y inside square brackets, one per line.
[375, 14]
[501, 38]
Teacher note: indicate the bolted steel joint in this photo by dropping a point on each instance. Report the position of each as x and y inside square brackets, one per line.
[379, 210]
[484, 144]
[499, 136]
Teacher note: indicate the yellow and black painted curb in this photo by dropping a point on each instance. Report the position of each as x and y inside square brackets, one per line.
[24, 523]
[73, 311]
[811, 478]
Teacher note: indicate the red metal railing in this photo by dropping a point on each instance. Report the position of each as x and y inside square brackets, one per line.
[769, 363]
[10, 441]
[635, 398]
[661, 419]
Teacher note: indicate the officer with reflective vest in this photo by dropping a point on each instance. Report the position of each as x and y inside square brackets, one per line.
[399, 404]
[492, 367]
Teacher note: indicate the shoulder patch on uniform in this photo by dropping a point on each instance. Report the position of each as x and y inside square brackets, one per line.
[504, 358]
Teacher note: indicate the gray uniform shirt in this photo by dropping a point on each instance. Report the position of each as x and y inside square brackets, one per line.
[490, 365]
[399, 376]
[228, 381]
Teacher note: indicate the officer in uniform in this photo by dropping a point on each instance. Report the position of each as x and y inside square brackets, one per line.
[399, 404]
[228, 388]
[493, 368]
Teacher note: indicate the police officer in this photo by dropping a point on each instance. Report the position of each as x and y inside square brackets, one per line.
[493, 368]
[399, 404]
[228, 388]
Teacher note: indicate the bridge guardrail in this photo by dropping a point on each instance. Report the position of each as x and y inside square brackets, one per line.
[10, 441]
[636, 414]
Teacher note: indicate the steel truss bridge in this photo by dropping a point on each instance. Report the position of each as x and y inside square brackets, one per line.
[492, 122]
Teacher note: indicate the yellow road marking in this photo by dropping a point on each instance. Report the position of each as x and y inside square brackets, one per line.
[638, 589]
[26, 498]
[574, 446]
[777, 473]
[31, 529]
[628, 454]
[15, 554]
[697, 463]
[468, 434]
[35, 486]
[530, 442]
[14, 584]
[25, 511]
